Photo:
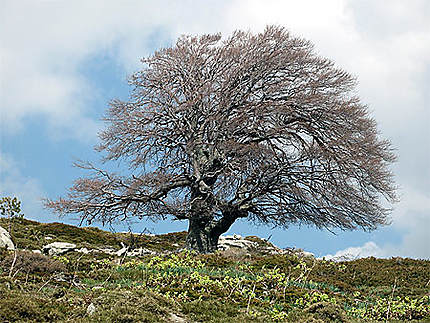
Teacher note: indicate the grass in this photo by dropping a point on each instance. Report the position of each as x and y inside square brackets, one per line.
[183, 286]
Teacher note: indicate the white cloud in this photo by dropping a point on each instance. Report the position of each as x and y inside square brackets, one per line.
[27, 189]
[44, 46]
[412, 218]
[369, 249]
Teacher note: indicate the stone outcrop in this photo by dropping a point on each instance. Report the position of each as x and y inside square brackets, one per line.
[250, 244]
[229, 242]
[124, 251]
[235, 241]
[6, 240]
[58, 248]
[140, 252]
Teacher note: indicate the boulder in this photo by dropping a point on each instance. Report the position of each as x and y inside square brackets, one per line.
[299, 253]
[140, 252]
[108, 251]
[265, 247]
[122, 251]
[58, 248]
[5, 240]
[235, 241]
[306, 254]
[83, 250]
[91, 309]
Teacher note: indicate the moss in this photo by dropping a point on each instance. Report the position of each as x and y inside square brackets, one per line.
[16, 306]
[272, 261]
[28, 234]
[137, 306]
[327, 312]
[211, 311]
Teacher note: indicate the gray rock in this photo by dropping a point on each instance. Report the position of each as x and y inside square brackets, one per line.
[238, 242]
[58, 248]
[108, 251]
[83, 250]
[140, 252]
[306, 254]
[6, 240]
[235, 241]
[122, 251]
[91, 309]
[176, 319]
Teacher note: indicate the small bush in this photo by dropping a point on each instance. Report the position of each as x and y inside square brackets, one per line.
[29, 262]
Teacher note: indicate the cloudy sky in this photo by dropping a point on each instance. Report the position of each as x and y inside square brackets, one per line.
[62, 61]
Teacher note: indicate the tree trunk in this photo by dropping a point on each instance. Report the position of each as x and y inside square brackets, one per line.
[201, 236]
[204, 232]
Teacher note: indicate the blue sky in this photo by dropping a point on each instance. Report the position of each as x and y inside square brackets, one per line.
[62, 61]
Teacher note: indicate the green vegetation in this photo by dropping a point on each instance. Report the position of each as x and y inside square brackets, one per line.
[181, 286]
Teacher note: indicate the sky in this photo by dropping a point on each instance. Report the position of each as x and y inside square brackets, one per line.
[63, 61]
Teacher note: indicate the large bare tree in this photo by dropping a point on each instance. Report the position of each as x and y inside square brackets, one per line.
[251, 126]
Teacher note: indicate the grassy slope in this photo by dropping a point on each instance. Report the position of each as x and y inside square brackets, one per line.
[227, 286]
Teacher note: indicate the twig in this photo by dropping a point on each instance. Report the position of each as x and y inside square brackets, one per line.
[74, 273]
[46, 283]
[110, 275]
[13, 264]
[16, 272]
[249, 300]
[391, 299]
[231, 292]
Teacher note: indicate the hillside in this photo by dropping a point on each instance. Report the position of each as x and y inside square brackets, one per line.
[124, 277]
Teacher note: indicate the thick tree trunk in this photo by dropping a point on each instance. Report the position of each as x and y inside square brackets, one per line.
[201, 236]
[204, 232]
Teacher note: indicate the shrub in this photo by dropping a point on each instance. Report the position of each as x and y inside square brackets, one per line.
[29, 262]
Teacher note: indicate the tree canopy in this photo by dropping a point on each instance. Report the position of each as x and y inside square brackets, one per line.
[253, 126]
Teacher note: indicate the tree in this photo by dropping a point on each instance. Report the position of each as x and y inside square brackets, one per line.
[253, 126]
[10, 207]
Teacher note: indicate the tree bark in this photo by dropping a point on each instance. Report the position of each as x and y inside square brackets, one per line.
[204, 231]
[201, 236]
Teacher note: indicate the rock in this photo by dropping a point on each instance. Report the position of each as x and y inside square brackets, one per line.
[176, 319]
[299, 253]
[58, 248]
[108, 251]
[140, 252]
[83, 250]
[306, 254]
[91, 309]
[122, 251]
[235, 241]
[6, 240]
